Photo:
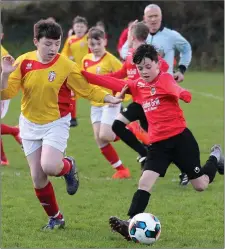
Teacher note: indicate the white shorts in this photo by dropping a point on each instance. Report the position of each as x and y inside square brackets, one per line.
[34, 135]
[104, 114]
[4, 107]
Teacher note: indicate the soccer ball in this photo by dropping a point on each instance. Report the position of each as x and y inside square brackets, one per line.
[144, 228]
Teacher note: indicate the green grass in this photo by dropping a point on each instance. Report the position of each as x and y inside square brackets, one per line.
[189, 219]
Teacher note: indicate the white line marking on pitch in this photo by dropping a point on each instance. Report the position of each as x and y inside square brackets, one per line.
[208, 95]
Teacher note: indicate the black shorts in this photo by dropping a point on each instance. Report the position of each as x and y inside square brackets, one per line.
[133, 112]
[181, 149]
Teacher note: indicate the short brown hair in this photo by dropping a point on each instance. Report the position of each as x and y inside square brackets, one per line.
[140, 31]
[47, 28]
[80, 19]
[96, 33]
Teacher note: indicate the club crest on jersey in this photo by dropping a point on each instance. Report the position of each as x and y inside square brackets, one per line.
[85, 64]
[51, 76]
[28, 66]
[153, 91]
[82, 44]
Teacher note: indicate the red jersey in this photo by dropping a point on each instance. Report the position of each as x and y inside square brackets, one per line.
[159, 100]
[129, 69]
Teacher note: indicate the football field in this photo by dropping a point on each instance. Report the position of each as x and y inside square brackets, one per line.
[188, 218]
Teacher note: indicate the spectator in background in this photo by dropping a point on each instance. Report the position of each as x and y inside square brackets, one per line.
[166, 41]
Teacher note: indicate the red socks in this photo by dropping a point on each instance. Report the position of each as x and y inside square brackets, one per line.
[66, 168]
[48, 201]
[111, 156]
[9, 130]
[74, 109]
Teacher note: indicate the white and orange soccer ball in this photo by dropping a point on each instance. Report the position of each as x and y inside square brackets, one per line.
[144, 228]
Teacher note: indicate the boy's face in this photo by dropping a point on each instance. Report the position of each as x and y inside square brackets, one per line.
[47, 48]
[80, 29]
[148, 69]
[97, 47]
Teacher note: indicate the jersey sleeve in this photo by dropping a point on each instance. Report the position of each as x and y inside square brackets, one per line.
[108, 82]
[171, 87]
[116, 64]
[78, 84]
[14, 82]
[66, 49]
[121, 73]
[4, 52]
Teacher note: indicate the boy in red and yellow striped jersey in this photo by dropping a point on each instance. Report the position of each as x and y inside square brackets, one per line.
[76, 47]
[102, 116]
[47, 79]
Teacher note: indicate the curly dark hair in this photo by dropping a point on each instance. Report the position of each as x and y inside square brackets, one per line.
[145, 51]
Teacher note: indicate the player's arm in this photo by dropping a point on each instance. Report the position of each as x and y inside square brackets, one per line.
[120, 74]
[78, 84]
[172, 88]
[10, 77]
[108, 82]
[184, 48]
[119, 70]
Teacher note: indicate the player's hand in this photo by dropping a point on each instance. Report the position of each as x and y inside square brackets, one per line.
[112, 100]
[121, 95]
[129, 35]
[7, 64]
[178, 76]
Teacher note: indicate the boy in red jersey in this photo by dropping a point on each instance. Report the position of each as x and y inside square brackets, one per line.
[138, 33]
[47, 79]
[76, 47]
[171, 140]
[101, 61]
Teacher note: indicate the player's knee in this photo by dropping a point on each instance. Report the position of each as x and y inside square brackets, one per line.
[104, 137]
[200, 185]
[118, 126]
[48, 168]
[144, 184]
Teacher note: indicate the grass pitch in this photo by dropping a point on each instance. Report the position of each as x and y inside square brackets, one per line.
[188, 218]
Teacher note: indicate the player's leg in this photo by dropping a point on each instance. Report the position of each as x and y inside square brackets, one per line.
[107, 135]
[187, 158]
[4, 160]
[158, 159]
[129, 114]
[73, 121]
[11, 130]
[53, 161]
[42, 186]
[106, 148]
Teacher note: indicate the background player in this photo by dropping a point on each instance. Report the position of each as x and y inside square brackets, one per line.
[102, 116]
[76, 47]
[6, 129]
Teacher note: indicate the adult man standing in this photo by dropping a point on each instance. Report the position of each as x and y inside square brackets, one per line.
[166, 41]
